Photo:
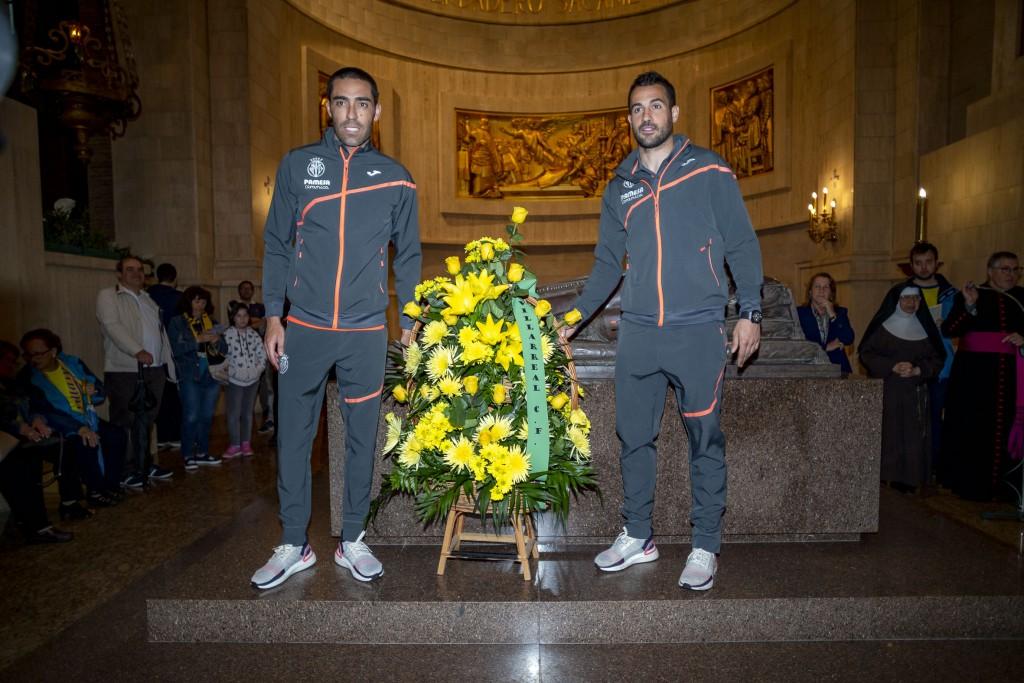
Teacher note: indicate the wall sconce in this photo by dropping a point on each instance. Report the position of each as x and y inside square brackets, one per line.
[821, 225]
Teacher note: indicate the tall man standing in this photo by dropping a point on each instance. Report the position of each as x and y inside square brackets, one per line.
[337, 204]
[674, 210]
[134, 340]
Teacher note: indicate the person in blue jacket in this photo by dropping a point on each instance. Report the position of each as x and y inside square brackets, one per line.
[825, 323]
[66, 392]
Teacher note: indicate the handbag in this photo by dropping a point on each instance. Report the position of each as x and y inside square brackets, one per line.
[219, 372]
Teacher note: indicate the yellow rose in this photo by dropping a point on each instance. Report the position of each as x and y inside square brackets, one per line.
[486, 251]
[471, 383]
[449, 319]
[558, 401]
[519, 215]
[498, 393]
[453, 265]
[573, 317]
[412, 310]
[542, 308]
[400, 394]
[515, 272]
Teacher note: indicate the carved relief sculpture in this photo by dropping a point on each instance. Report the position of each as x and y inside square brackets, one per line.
[538, 155]
[742, 128]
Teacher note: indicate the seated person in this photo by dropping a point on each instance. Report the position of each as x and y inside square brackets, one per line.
[21, 470]
[824, 322]
[903, 346]
[65, 391]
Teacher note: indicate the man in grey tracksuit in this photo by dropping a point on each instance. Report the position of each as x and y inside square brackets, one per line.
[337, 205]
[675, 212]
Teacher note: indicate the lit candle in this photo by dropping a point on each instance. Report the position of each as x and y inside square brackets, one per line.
[814, 196]
[824, 199]
[922, 215]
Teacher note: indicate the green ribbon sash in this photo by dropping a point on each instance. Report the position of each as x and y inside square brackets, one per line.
[538, 442]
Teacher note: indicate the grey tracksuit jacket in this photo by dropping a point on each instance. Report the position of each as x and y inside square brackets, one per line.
[326, 236]
[677, 227]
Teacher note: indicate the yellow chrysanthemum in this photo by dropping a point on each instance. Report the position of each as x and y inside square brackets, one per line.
[410, 451]
[493, 428]
[547, 347]
[490, 330]
[580, 442]
[558, 400]
[441, 361]
[477, 352]
[517, 464]
[413, 357]
[468, 335]
[460, 454]
[478, 466]
[449, 386]
[523, 433]
[429, 392]
[579, 418]
[394, 431]
[434, 333]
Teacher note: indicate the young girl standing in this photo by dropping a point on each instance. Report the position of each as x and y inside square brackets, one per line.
[246, 362]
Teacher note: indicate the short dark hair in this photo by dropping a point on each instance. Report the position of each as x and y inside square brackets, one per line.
[8, 349]
[246, 282]
[653, 78]
[999, 256]
[352, 72]
[128, 257]
[831, 286]
[194, 292]
[234, 307]
[921, 248]
[44, 335]
[166, 272]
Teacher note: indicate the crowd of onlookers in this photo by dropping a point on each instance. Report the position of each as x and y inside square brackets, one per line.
[953, 413]
[165, 360]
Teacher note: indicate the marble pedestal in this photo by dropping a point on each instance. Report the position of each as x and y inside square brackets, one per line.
[803, 458]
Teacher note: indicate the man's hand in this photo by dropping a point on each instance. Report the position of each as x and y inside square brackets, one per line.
[41, 428]
[1014, 338]
[745, 340]
[833, 345]
[89, 437]
[26, 431]
[406, 337]
[565, 332]
[144, 357]
[207, 337]
[970, 292]
[903, 369]
[830, 309]
[273, 341]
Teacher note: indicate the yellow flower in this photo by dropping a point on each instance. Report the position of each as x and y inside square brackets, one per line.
[410, 451]
[573, 317]
[394, 431]
[449, 386]
[479, 468]
[493, 428]
[477, 352]
[490, 331]
[468, 335]
[400, 394]
[429, 392]
[542, 308]
[461, 298]
[460, 454]
[434, 333]
[498, 394]
[453, 265]
[547, 347]
[579, 418]
[441, 361]
[558, 400]
[412, 310]
[486, 251]
[523, 433]
[413, 356]
[471, 383]
[517, 464]
[519, 215]
[449, 318]
[580, 442]
[509, 354]
[515, 272]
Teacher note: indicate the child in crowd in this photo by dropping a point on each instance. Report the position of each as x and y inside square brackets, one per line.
[246, 362]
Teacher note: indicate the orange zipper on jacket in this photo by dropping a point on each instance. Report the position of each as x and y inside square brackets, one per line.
[341, 235]
[657, 232]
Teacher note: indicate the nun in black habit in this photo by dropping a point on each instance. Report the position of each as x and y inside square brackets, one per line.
[903, 346]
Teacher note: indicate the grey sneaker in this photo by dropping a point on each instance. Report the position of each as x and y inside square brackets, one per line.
[357, 558]
[626, 551]
[207, 459]
[287, 560]
[699, 572]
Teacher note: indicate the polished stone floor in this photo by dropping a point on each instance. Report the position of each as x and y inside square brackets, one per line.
[79, 611]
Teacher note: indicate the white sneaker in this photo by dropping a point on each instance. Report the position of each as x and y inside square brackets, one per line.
[699, 572]
[625, 552]
[356, 557]
[286, 560]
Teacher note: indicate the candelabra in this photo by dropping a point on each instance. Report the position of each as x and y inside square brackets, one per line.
[821, 225]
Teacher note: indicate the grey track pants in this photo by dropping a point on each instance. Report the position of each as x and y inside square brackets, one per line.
[358, 358]
[239, 404]
[690, 359]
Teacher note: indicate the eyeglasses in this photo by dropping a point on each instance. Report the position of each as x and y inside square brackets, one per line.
[36, 354]
[1008, 269]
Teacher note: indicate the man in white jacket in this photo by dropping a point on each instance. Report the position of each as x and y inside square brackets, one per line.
[133, 337]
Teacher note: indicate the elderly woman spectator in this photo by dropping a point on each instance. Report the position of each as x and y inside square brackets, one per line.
[983, 427]
[21, 470]
[66, 392]
[826, 323]
[197, 344]
[903, 346]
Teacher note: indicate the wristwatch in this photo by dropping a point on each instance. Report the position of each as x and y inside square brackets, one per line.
[753, 316]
